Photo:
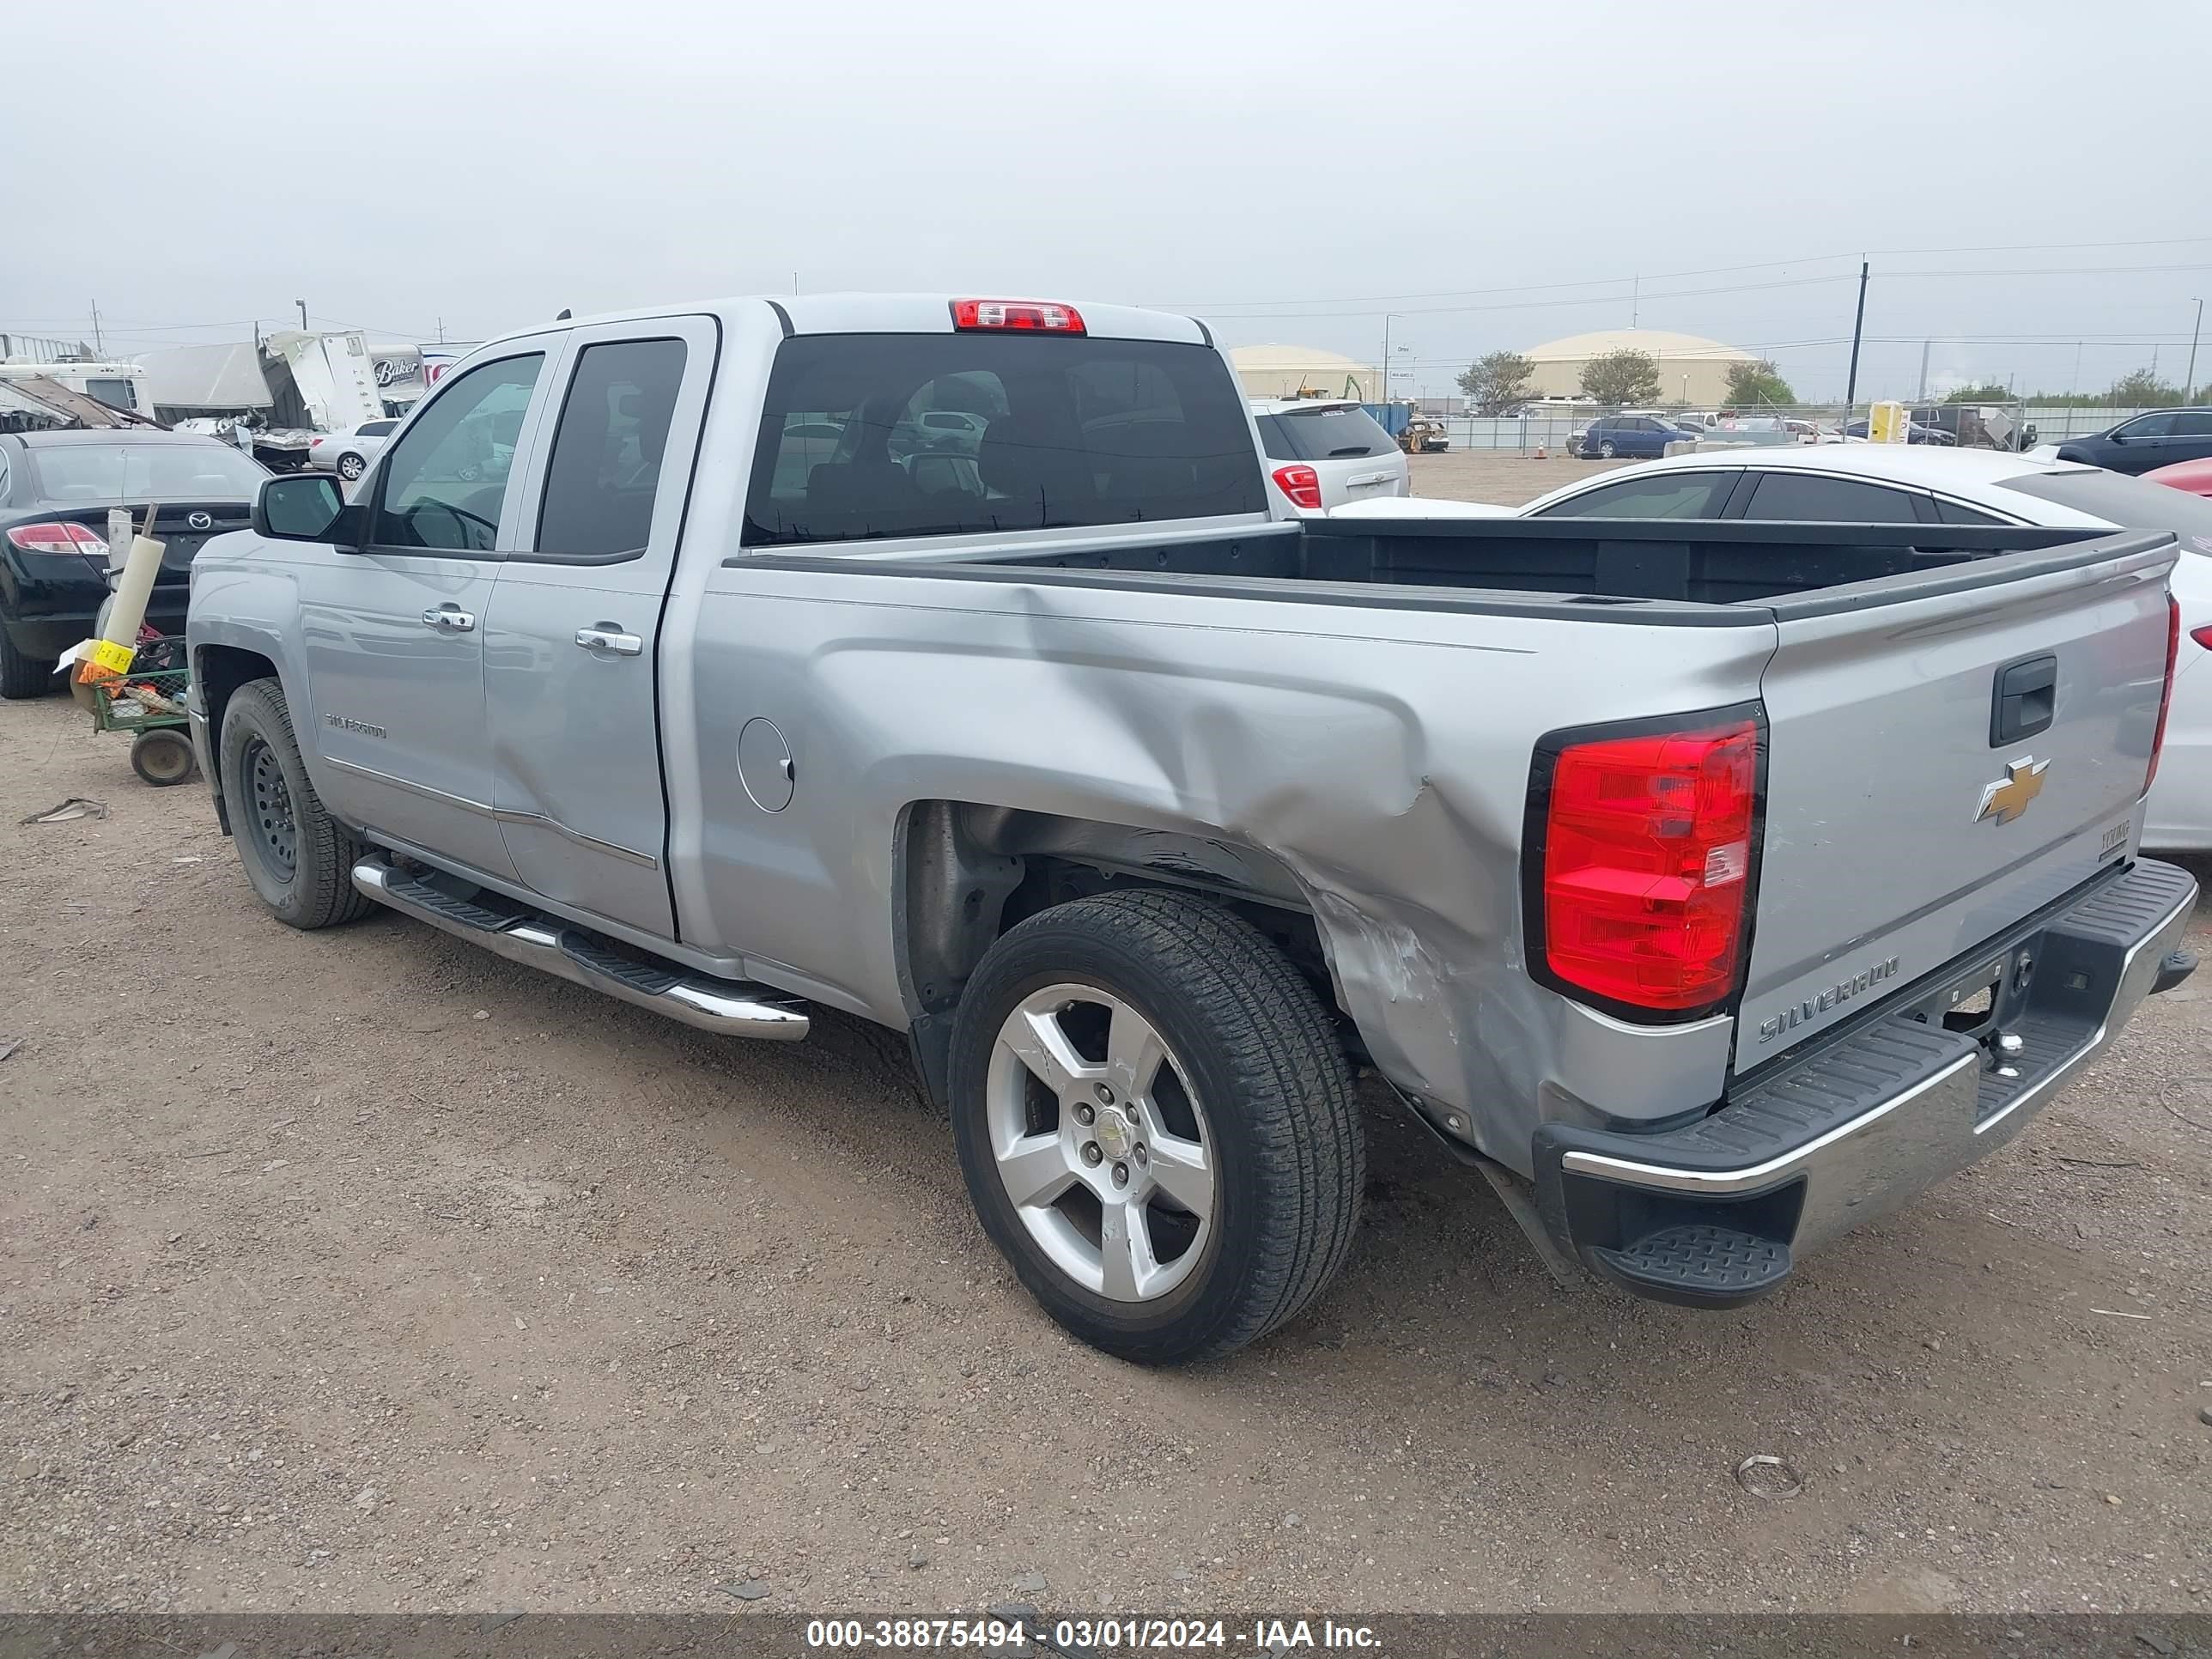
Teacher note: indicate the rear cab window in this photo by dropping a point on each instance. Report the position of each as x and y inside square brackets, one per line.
[1048, 432]
[1337, 432]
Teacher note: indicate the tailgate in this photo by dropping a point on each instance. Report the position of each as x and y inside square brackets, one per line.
[1924, 790]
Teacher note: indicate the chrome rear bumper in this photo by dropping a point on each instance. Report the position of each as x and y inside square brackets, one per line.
[1714, 1213]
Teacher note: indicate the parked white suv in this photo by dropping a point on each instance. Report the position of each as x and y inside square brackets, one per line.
[1322, 452]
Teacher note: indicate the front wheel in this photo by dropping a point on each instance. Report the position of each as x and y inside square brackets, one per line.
[1155, 1124]
[298, 857]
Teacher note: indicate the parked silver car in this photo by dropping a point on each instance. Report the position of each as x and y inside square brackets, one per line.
[348, 452]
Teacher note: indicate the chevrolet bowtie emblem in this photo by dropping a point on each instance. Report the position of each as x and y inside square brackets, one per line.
[2007, 799]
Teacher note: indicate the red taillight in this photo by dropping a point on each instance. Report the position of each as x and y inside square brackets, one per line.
[1040, 314]
[1647, 847]
[1301, 483]
[59, 537]
[2165, 695]
[316, 443]
[2202, 636]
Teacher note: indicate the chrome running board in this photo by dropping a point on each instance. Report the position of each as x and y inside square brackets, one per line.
[727, 1007]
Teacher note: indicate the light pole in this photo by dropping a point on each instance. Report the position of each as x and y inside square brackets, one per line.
[1389, 317]
[2188, 382]
[302, 304]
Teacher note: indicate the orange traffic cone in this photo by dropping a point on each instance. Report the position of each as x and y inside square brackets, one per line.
[1541, 455]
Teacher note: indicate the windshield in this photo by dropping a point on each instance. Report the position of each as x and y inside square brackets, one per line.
[1327, 433]
[2132, 503]
[190, 469]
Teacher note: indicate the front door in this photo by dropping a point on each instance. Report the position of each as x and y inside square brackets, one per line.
[573, 651]
[394, 632]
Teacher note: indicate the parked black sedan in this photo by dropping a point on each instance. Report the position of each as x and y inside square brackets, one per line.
[55, 490]
[2147, 442]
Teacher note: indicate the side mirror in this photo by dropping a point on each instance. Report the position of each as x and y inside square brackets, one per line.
[2116, 437]
[305, 507]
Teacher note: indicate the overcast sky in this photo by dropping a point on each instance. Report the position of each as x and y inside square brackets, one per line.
[1289, 170]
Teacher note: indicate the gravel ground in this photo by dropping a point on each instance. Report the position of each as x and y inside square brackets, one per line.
[1499, 475]
[360, 1270]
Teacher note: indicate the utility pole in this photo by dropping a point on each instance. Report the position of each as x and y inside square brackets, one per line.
[1387, 318]
[441, 330]
[302, 304]
[1921, 396]
[2189, 383]
[100, 346]
[1635, 297]
[1858, 330]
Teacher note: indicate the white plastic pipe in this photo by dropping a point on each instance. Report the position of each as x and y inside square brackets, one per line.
[119, 641]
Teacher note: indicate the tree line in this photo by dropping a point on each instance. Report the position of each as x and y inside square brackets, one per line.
[1497, 381]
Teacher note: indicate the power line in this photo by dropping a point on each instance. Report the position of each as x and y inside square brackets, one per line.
[1705, 270]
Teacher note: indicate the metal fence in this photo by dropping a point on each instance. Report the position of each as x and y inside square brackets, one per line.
[1554, 431]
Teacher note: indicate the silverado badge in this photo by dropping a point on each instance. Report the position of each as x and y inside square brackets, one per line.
[2007, 799]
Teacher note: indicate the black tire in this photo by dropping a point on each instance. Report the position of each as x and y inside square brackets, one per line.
[162, 756]
[1605, 450]
[22, 676]
[257, 753]
[351, 466]
[1283, 1124]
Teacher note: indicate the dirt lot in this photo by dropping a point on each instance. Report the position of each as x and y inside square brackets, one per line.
[361, 1270]
[1499, 475]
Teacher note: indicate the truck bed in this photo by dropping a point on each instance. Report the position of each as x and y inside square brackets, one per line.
[1657, 561]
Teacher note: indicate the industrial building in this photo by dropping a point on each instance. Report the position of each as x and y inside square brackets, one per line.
[1285, 371]
[1692, 370]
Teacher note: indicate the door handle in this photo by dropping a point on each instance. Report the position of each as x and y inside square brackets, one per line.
[450, 619]
[608, 638]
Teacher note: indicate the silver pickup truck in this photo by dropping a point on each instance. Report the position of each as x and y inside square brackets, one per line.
[1709, 887]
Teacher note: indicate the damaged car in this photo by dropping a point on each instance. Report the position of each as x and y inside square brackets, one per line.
[649, 656]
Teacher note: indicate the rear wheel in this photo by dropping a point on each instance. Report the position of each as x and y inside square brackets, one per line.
[1155, 1124]
[162, 756]
[1606, 450]
[351, 466]
[299, 858]
[22, 675]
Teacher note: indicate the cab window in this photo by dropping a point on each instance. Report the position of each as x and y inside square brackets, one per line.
[1058, 431]
[603, 476]
[444, 483]
[1661, 495]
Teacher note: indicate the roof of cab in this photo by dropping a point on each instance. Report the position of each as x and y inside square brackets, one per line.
[895, 313]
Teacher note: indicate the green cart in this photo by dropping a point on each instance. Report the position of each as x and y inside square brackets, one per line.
[149, 704]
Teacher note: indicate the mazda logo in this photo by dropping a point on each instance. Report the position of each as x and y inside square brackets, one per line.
[202, 521]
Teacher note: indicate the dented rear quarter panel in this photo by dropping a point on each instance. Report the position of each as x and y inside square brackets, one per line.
[1381, 754]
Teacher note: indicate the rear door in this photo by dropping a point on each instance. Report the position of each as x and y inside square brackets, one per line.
[570, 658]
[2139, 445]
[2192, 436]
[1940, 767]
